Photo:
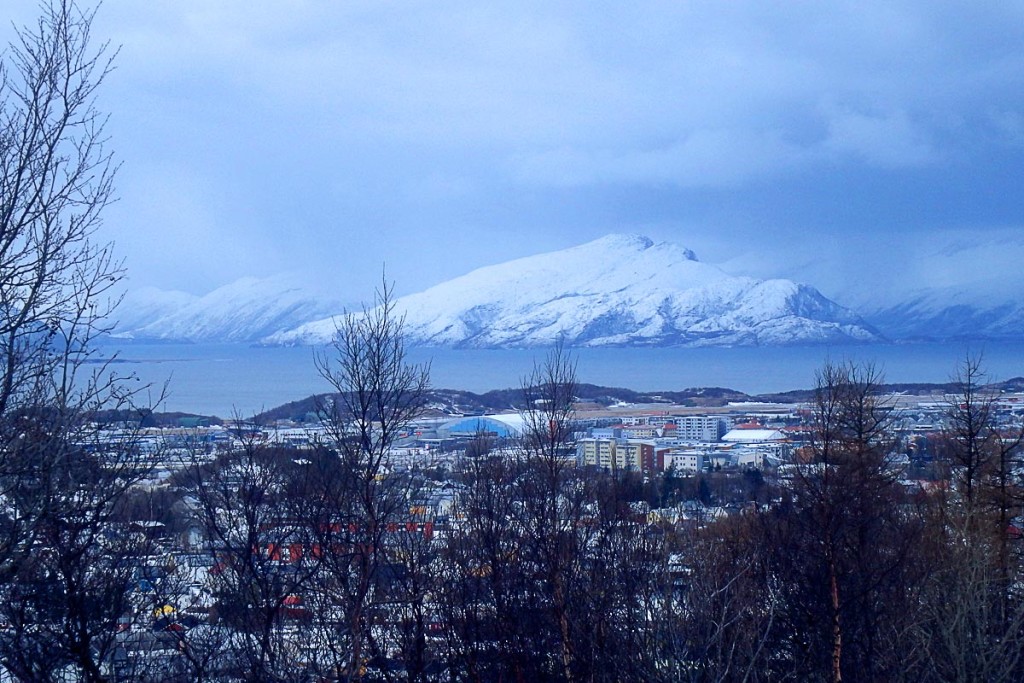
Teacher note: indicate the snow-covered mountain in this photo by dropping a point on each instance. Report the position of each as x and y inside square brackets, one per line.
[939, 315]
[142, 306]
[616, 291]
[956, 288]
[941, 285]
[248, 309]
[626, 290]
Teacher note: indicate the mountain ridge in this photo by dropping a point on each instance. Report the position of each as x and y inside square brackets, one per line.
[245, 310]
[619, 290]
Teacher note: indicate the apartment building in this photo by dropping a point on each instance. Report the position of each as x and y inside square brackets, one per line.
[620, 454]
[702, 428]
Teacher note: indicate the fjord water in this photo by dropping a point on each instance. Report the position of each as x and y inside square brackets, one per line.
[225, 379]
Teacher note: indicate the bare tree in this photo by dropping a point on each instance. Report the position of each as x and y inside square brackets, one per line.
[547, 575]
[549, 545]
[970, 627]
[721, 606]
[68, 580]
[259, 509]
[63, 562]
[56, 178]
[984, 454]
[971, 438]
[549, 396]
[491, 632]
[845, 534]
[377, 392]
[967, 627]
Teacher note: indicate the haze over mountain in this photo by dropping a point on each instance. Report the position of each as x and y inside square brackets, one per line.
[955, 284]
[246, 310]
[955, 288]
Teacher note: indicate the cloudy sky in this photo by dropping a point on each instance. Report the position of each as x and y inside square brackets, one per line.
[332, 137]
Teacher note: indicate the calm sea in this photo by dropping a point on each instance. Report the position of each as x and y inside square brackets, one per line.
[224, 379]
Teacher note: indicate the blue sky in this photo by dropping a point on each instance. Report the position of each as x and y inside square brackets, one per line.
[804, 139]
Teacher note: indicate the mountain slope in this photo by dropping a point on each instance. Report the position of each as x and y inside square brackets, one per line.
[618, 290]
[957, 288]
[941, 285]
[245, 310]
[942, 315]
[142, 306]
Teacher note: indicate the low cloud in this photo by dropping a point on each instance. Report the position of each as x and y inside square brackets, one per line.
[319, 123]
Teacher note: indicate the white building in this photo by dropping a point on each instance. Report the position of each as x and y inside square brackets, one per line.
[685, 461]
[753, 436]
[701, 427]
